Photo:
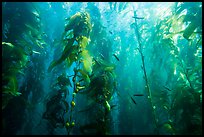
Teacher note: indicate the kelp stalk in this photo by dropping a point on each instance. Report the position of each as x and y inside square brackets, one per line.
[186, 74]
[144, 71]
[81, 25]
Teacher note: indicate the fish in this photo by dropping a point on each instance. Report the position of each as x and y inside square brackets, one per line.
[102, 56]
[167, 88]
[36, 14]
[165, 107]
[138, 17]
[110, 32]
[116, 57]
[138, 95]
[36, 52]
[133, 101]
[111, 107]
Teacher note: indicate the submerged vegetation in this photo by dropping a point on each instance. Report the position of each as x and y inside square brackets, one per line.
[81, 68]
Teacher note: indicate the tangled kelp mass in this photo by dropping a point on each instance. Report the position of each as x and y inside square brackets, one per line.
[110, 68]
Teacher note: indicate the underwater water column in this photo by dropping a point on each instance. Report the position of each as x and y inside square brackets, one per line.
[145, 74]
[115, 116]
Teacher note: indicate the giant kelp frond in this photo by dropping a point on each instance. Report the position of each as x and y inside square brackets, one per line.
[186, 14]
[25, 13]
[23, 31]
[76, 45]
[14, 60]
[11, 87]
[86, 59]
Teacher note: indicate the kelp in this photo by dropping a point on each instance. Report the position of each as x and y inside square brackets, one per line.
[185, 98]
[85, 76]
[99, 88]
[24, 15]
[101, 82]
[87, 61]
[184, 14]
[56, 108]
[75, 41]
[19, 44]
[14, 60]
[63, 80]
[81, 26]
[11, 87]
[12, 52]
[83, 41]
[68, 51]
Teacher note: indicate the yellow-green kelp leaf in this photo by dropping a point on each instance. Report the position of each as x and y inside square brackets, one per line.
[87, 61]
[84, 42]
[85, 76]
[11, 87]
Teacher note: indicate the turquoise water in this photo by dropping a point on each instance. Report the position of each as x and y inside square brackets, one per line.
[113, 68]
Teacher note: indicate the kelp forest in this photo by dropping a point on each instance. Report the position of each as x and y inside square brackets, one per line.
[101, 68]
